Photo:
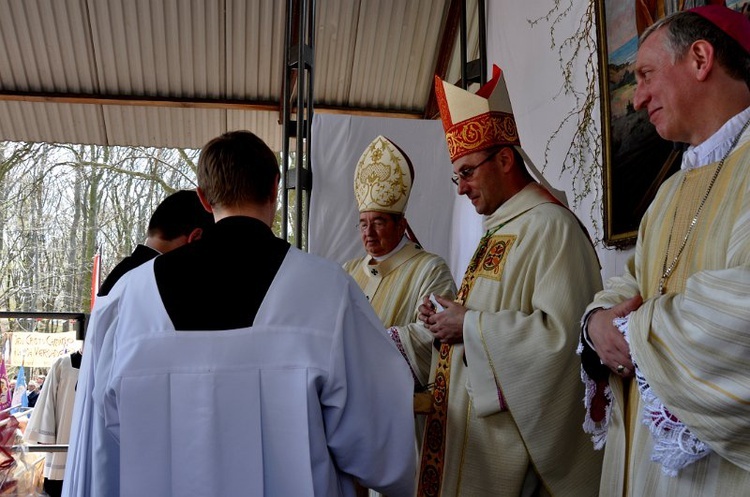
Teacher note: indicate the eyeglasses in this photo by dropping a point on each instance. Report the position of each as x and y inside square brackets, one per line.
[467, 172]
[377, 224]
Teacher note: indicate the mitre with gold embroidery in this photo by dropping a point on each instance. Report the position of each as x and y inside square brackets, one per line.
[476, 121]
[383, 178]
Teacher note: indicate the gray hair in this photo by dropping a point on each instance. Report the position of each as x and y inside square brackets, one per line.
[685, 28]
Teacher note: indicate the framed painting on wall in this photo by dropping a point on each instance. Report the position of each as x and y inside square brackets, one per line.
[636, 159]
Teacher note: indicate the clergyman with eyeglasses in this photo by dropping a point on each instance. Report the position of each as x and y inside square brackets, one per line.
[506, 416]
[396, 273]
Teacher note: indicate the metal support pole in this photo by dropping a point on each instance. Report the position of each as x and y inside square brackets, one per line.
[298, 73]
[474, 71]
[464, 48]
[482, 42]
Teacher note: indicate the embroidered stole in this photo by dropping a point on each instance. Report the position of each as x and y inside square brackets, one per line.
[433, 444]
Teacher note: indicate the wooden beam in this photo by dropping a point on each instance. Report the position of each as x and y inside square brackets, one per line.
[192, 103]
[133, 100]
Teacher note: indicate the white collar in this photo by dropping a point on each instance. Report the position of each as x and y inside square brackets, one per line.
[400, 245]
[717, 145]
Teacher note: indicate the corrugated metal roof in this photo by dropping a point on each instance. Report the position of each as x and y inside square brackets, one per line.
[159, 72]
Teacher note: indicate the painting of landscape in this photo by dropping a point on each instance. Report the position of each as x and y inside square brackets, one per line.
[636, 159]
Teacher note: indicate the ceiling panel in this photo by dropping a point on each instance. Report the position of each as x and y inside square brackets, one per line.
[178, 72]
[60, 123]
[45, 46]
[255, 47]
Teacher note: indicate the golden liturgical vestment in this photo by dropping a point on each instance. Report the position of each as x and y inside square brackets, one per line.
[396, 286]
[525, 295]
[692, 344]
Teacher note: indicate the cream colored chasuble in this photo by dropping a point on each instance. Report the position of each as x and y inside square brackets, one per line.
[520, 334]
[693, 343]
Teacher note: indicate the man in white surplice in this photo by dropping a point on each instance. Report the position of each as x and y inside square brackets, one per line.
[319, 394]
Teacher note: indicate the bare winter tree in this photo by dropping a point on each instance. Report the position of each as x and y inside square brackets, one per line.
[59, 204]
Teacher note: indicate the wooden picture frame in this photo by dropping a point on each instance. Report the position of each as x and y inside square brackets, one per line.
[636, 159]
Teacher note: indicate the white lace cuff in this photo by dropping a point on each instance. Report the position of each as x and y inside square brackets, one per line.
[597, 429]
[675, 447]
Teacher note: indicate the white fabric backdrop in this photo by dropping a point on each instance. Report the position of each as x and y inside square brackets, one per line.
[337, 143]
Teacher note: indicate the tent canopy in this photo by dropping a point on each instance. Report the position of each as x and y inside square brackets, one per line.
[176, 73]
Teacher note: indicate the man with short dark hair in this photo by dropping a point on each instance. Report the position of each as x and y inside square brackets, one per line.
[666, 344]
[178, 219]
[506, 377]
[320, 396]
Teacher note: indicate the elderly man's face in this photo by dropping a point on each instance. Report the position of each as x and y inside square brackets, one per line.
[380, 232]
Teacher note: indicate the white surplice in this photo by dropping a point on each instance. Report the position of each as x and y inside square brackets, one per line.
[312, 394]
[50, 421]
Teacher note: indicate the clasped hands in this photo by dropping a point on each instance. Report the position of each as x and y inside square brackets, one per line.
[609, 342]
[446, 325]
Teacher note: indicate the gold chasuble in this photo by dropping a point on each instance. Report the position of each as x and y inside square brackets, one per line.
[692, 344]
[396, 286]
[507, 400]
[489, 257]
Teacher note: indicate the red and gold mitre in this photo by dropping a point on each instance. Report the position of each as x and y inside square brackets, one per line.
[475, 122]
[383, 178]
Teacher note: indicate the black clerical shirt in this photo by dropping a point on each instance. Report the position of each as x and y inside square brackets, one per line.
[220, 281]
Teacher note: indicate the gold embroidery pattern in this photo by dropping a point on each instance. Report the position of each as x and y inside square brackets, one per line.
[433, 445]
[380, 179]
[480, 132]
[494, 259]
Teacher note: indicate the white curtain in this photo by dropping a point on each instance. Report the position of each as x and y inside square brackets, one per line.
[337, 143]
